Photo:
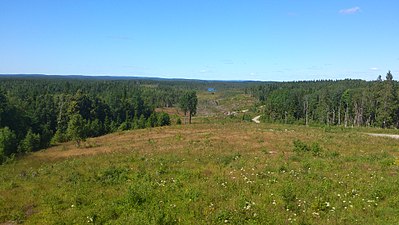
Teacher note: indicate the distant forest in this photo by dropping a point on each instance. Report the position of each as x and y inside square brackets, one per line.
[343, 102]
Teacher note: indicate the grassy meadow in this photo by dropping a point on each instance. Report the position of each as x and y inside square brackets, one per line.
[224, 172]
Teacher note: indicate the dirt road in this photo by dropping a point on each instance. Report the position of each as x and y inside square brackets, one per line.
[384, 135]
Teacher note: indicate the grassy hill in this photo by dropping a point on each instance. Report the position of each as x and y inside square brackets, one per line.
[216, 173]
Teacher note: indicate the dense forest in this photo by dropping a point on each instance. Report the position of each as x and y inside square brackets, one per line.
[38, 111]
[343, 102]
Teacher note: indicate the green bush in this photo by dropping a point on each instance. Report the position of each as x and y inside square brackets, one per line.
[316, 149]
[30, 143]
[8, 143]
[113, 175]
[300, 146]
[163, 119]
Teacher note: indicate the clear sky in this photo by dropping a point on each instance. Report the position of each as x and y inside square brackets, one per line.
[204, 39]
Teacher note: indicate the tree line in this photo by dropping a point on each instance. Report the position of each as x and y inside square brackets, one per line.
[343, 102]
[35, 113]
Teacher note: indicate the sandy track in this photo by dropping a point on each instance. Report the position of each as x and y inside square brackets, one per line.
[384, 135]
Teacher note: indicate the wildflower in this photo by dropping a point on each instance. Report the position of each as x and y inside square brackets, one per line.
[90, 219]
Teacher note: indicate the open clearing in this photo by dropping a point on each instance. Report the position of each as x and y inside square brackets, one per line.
[229, 172]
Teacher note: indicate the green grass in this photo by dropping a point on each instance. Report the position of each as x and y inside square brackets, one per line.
[234, 173]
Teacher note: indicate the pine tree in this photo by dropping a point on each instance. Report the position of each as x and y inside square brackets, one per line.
[188, 103]
[8, 143]
[30, 143]
[76, 129]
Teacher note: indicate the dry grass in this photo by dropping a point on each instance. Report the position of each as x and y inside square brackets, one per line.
[232, 172]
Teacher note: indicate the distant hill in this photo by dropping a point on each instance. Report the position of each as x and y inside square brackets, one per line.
[110, 77]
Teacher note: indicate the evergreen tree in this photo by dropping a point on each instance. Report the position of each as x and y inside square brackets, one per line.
[192, 104]
[8, 143]
[3, 106]
[163, 119]
[45, 136]
[387, 112]
[76, 129]
[142, 122]
[30, 143]
[188, 104]
[389, 76]
[152, 120]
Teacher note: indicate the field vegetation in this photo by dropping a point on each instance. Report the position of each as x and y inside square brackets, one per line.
[221, 169]
[217, 173]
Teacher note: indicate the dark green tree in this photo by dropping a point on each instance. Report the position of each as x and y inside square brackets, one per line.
[30, 143]
[3, 106]
[76, 130]
[152, 120]
[387, 111]
[8, 143]
[188, 104]
[163, 119]
[389, 76]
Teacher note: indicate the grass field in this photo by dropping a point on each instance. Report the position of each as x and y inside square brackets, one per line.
[222, 173]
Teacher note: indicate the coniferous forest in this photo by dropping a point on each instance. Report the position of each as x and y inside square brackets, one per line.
[38, 111]
[342, 102]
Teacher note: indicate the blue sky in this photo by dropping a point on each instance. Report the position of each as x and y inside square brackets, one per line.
[202, 39]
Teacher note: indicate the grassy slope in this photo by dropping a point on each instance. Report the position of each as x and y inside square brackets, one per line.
[207, 173]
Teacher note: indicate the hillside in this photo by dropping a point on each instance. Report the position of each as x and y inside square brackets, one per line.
[223, 172]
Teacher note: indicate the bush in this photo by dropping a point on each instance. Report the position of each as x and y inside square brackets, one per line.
[246, 117]
[316, 149]
[163, 119]
[301, 147]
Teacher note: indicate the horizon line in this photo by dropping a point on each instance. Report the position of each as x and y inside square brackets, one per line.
[166, 78]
